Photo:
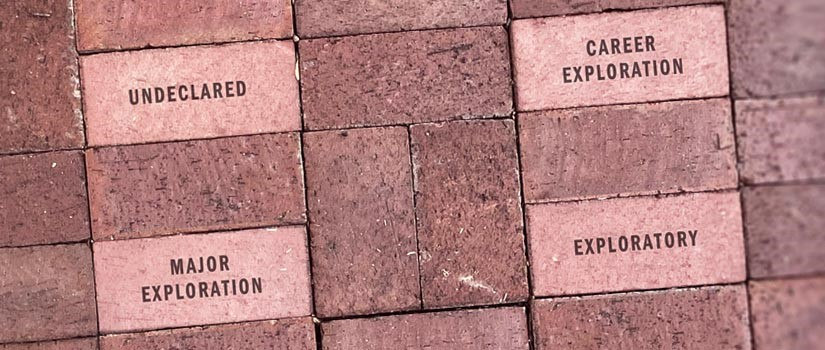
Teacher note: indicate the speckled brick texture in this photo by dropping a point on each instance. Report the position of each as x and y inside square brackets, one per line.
[114, 24]
[44, 199]
[70, 344]
[468, 213]
[39, 86]
[360, 199]
[781, 140]
[541, 8]
[47, 293]
[788, 314]
[776, 47]
[158, 189]
[403, 78]
[325, 18]
[485, 329]
[704, 318]
[627, 150]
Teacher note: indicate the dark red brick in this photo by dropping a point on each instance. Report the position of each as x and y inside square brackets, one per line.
[44, 199]
[788, 314]
[359, 193]
[541, 8]
[40, 96]
[71, 344]
[220, 184]
[47, 293]
[401, 78]
[469, 213]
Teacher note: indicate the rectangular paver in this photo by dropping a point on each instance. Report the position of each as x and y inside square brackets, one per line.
[788, 314]
[541, 8]
[70, 344]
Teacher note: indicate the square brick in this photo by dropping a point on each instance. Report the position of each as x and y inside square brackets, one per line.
[788, 314]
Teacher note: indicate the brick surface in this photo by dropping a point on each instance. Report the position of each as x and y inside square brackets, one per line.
[704, 318]
[47, 293]
[205, 91]
[71, 344]
[409, 77]
[40, 96]
[469, 213]
[788, 314]
[322, 18]
[44, 199]
[627, 150]
[588, 247]
[113, 24]
[606, 49]
[502, 328]
[193, 280]
[359, 193]
[156, 189]
[286, 334]
[541, 8]
[777, 47]
[781, 140]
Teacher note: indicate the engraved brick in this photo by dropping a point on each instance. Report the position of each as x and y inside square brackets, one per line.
[620, 57]
[113, 24]
[781, 140]
[190, 280]
[70, 344]
[788, 314]
[469, 213]
[286, 334]
[541, 8]
[195, 186]
[323, 18]
[47, 293]
[627, 150]
[44, 199]
[359, 193]
[485, 329]
[703, 318]
[39, 87]
[636, 243]
[403, 78]
[204, 91]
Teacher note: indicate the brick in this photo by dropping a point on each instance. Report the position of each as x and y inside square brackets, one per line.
[627, 150]
[401, 78]
[190, 280]
[122, 108]
[324, 18]
[788, 314]
[588, 247]
[541, 8]
[44, 199]
[70, 344]
[501, 328]
[686, 42]
[703, 318]
[40, 96]
[286, 334]
[775, 48]
[48, 293]
[195, 186]
[468, 213]
[359, 194]
[780, 140]
[114, 25]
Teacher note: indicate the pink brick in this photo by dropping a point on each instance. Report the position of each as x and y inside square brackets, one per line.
[541, 8]
[588, 247]
[272, 262]
[70, 344]
[788, 314]
[269, 102]
[690, 40]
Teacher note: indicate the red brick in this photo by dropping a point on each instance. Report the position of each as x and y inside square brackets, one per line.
[401, 78]
[47, 293]
[193, 186]
[469, 213]
[781, 140]
[359, 193]
[627, 150]
[44, 199]
[541, 8]
[502, 328]
[576, 247]
[323, 18]
[71, 344]
[114, 24]
[704, 318]
[788, 314]
[40, 94]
